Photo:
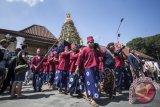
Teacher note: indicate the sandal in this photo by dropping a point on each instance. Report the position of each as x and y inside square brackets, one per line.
[93, 103]
[84, 95]
[88, 99]
[60, 91]
[65, 93]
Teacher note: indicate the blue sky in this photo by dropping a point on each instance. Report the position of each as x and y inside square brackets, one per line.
[99, 18]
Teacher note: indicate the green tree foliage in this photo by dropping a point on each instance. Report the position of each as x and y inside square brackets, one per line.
[148, 45]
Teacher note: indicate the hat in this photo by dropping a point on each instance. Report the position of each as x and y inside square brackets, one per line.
[110, 44]
[54, 53]
[90, 39]
[4, 41]
[38, 49]
[66, 48]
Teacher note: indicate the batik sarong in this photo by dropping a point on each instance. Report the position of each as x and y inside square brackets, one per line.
[91, 83]
[76, 83]
[61, 79]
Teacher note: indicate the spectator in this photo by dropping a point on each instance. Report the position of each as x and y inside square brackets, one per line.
[20, 77]
[4, 57]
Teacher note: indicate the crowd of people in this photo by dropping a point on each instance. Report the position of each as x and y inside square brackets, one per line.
[85, 71]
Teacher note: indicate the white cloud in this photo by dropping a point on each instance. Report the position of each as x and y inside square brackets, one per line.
[29, 2]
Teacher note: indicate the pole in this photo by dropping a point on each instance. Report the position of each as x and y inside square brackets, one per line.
[118, 35]
[47, 53]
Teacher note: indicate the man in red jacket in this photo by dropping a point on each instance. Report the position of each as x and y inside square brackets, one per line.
[51, 69]
[73, 79]
[90, 56]
[62, 74]
[37, 68]
[46, 70]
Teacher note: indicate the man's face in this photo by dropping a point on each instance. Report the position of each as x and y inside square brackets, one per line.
[66, 50]
[111, 48]
[38, 52]
[91, 44]
[56, 55]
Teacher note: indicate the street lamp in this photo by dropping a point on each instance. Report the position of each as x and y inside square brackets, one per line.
[118, 35]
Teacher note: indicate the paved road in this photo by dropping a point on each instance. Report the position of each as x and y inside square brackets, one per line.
[51, 98]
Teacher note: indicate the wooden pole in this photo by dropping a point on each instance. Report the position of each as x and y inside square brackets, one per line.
[47, 53]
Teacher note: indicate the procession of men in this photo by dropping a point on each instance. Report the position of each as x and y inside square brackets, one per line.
[83, 71]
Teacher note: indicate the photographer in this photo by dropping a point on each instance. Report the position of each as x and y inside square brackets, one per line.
[11, 74]
[4, 57]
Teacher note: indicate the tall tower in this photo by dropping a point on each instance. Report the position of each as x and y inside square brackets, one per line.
[69, 31]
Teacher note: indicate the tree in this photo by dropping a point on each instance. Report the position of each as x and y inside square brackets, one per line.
[148, 45]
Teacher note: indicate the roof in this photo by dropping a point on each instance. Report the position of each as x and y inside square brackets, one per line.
[38, 30]
[33, 32]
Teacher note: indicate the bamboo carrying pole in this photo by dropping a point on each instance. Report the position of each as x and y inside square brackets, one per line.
[47, 53]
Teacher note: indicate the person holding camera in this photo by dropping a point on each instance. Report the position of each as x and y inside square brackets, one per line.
[4, 58]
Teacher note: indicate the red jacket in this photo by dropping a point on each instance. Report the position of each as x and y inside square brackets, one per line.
[45, 65]
[36, 61]
[73, 59]
[56, 62]
[51, 64]
[64, 61]
[89, 58]
[100, 63]
[81, 67]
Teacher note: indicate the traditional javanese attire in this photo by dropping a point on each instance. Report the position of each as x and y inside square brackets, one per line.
[75, 85]
[52, 68]
[61, 79]
[37, 73]
[89, 57]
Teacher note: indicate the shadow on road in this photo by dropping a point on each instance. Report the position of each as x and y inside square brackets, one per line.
[34, 96]
[38, 96]
[105, 100]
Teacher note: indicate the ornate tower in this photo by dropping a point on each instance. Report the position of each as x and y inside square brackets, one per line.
[69, 32]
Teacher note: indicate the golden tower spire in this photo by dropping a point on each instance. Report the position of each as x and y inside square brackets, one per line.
[68, 18]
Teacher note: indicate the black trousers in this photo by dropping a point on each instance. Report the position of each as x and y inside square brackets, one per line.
[2, 76]
[8, 80]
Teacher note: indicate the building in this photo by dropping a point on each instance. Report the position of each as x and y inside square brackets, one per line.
[35, 36]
